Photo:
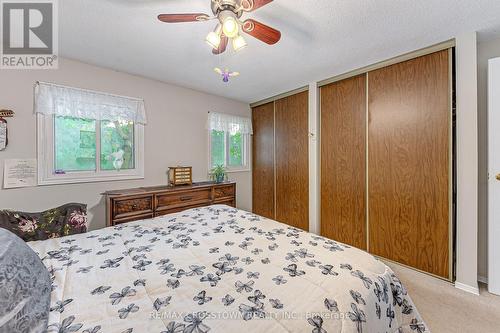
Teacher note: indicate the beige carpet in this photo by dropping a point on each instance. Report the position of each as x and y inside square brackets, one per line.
[447, 309]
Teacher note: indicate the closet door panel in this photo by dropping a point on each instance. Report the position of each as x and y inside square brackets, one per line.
[408, 136]
[263, 160]
[343, 161]
[292, 160]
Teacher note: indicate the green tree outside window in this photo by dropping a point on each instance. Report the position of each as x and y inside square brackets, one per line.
[227, 149]
[76, 141]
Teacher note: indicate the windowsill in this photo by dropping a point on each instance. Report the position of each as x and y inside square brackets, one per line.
[238, 170]
[97, 179]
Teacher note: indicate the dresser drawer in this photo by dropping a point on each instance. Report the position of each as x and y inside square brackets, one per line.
[123, 208]
[178, 209]
[133, 218]
[224, 191]
[183, 199]
[228, 202]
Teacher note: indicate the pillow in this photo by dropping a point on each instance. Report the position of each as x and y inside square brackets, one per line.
[66, 220]
[25, 287]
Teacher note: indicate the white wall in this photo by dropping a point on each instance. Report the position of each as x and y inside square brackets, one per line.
[175, 134]
[314, 160]
[467, 166]
[486, 50]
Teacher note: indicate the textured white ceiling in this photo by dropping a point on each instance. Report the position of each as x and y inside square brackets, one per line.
[320, 39]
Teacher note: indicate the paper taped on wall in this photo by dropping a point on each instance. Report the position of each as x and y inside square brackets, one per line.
[19, 173]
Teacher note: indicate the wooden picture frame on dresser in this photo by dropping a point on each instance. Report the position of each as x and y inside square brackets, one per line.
[135, 204]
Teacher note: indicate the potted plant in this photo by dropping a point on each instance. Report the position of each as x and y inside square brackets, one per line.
[218, 173]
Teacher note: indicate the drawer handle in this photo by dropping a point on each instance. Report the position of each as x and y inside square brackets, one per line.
[186, 198]
[134, 206]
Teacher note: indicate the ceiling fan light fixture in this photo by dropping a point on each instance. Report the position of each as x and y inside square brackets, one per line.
[213, 40]
[230, 27]
[239, 43]
[214, 37]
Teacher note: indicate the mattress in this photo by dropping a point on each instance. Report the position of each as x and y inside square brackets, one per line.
[219, 269]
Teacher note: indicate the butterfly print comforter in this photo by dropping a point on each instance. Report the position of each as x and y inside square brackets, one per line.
[219, 269]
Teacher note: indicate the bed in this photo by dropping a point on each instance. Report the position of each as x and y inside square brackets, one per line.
[219, 269]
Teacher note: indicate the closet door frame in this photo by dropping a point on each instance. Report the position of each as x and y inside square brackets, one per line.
[450, 46]
[273, 100]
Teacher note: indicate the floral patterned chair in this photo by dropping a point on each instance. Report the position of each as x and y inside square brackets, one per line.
[66, 220]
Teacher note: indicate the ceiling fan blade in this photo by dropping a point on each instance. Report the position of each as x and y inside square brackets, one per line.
[222, 46]
[261, 31]
[251, 5]
[179, 18]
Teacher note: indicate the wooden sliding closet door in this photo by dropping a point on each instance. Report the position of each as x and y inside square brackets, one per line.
[343, 161]
[292, 160]
[409, 163]
[263, 160]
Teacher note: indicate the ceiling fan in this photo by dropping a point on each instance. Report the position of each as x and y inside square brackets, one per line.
[228, 13]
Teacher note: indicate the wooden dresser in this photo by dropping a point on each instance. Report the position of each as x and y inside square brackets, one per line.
[146, 202]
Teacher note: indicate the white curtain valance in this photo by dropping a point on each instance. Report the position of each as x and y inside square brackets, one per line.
[229, 123]
[79, 103]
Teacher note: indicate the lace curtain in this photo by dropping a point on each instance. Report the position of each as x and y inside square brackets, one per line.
[229, 123]
[79, 103]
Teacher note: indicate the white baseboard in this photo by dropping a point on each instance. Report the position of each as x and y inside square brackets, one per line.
[482, 279]
[467, 288]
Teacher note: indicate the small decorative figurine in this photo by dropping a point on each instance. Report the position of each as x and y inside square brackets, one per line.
[226, 73]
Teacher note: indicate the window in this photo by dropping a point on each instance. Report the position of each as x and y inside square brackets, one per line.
[86, 136]
[229, 149]
[229, 141]
[75, 144]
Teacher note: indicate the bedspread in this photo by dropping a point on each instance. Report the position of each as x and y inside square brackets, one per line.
[219, 269]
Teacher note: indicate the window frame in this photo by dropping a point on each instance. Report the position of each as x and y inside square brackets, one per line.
[46, 154]
[246, 155]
